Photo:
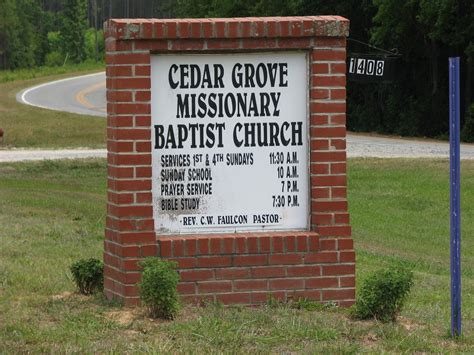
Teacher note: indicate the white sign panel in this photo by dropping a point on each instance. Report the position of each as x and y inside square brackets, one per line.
[230, 142]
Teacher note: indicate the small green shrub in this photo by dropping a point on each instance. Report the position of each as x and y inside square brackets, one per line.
[383, 293]
[88, 275]
[158, 288]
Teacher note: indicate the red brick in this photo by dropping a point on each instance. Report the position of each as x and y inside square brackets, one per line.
[190, 247]
[347, 256]
[131, 185]
[196, 275]
[129, 108]
[290, 243]
[338, 94]
[320, 68]
[119, 121]
[214, 261]
[345, 244]
[329, 270]
[252, 245]
[143, 172]
[178, 247]
[228, 246]
[142, 70]
[329, 206]
[338, 119]
[302, 42]
[130, 134]
[142, 96]
[341, 294]
[203, 246]
[250, 285]
[341, 218]
[185, 263]
[302, 243]
[119, 70]
[129, 211]
[165, 248]
[320, 193]
[321, 156]
[314, 295]
[328, 107]
[319, 119]
[286, 284]
[187, 45]
[328, 81]
[268, 272]
[335, 231]
[264, 244]
[338, 68]
[338, 168]
[300, 271]
[122, 198]
[321, 282]
[277, 244]
[320, 169]
[240, 245]
[327, 244]
[348, 281]
[285, 259]
[234, 298]
[186, 288]
[244, 260]
[233, 273]
[328, 180]
[338, 143]
[263, 297]
[321, 257]
[325, 132]
[214, 286]
[319, 144]
[319, 94]
[119, 172]
[224, 44]
[322, 218]
[135, 58]
[328, 55]
[215, 246]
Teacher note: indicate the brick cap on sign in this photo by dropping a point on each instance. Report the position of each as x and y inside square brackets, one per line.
[243, 27]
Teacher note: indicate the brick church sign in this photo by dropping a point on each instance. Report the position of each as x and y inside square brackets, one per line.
[227, 154]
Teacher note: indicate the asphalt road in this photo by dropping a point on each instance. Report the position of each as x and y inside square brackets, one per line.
[86, 95]
[81, 94]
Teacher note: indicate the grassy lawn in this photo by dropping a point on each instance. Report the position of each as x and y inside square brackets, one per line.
[31, 127]
[53, 213]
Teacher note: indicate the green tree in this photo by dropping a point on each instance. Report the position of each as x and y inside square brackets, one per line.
[74, 24]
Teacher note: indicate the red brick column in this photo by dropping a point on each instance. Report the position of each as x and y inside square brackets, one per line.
[232, 268]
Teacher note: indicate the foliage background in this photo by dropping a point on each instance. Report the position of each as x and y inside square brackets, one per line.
[425, 32]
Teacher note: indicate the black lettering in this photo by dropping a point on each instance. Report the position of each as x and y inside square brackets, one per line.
[173, 69]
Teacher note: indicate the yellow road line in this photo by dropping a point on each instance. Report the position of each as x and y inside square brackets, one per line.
[81, 95]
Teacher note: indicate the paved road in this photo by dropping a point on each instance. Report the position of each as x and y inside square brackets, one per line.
[86, 95]
[81, 94]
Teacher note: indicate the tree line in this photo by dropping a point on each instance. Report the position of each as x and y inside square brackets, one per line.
[424, 32]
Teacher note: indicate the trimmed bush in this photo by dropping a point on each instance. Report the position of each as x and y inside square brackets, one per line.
[88, 275]
[383, 294]
[158, 287]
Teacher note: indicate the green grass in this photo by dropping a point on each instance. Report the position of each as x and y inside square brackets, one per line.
[53, 213]
[38, 72]
[31, 127]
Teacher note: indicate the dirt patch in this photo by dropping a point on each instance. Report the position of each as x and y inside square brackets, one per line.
[409, 324]
[123, 316]
[62, 296]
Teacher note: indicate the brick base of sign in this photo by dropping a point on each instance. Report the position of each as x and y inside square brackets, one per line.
[251, 268]
[244, 268]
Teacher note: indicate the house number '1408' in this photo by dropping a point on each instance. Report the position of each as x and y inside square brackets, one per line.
[366, 66]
